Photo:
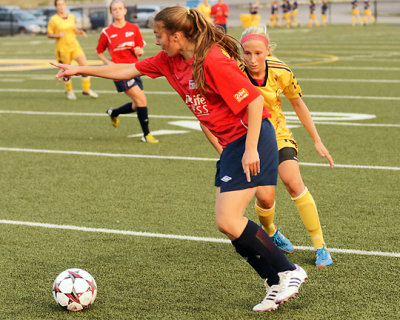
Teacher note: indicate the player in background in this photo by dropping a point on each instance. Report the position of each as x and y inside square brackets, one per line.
[313, 15]
[125, 44]
[273, 18]
[367, 12]
[196, 58]
[62, 27]
[220, 14]
[355, 13]
[295, 12]
[286, 13]
[205, 8]
[253, 10]
[324, 9]
[272, 77]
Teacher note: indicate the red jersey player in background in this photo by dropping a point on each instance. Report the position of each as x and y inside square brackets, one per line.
[220, 13]
[196, 58]
[125, 44]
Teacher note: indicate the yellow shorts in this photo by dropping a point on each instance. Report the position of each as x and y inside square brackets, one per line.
[355, 12]
[287, 143]
[367, 12]
[313, 16]
[66, 56]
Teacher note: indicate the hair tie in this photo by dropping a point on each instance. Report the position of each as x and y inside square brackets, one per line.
[188, 12]
[257, 37]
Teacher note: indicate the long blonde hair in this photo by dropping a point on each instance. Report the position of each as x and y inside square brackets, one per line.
[197, 29]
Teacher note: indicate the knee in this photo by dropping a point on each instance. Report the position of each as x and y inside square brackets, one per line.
[294, 187]
[266, 203]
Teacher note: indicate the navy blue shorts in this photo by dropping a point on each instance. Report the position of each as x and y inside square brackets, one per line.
[124, 85]
[230, 175]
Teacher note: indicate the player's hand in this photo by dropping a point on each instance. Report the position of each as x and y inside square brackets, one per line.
[138, 51]
[251, 163]
[66, 71]
[323, 151]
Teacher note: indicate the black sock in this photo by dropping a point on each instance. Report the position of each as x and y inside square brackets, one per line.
[143, 119]
[255, 243]
[126, 108]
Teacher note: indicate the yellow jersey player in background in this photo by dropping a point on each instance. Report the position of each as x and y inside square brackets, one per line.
[313, 15]
[286, 13]
[273, 18]
[355, 13]
[62, 27]
[273, 77]
[324, 9]
[367, 12]
[295, 12]
[205, 8]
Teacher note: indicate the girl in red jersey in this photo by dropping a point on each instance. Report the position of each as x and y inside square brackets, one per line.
[125, 43]
[196, 58]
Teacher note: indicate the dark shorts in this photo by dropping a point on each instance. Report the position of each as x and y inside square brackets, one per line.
[124, 85]
[287, 154]
[230, 175]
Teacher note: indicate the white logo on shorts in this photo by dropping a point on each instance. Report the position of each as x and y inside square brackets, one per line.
[226, 178]
[131, 82]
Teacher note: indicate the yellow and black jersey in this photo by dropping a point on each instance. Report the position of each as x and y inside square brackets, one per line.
[279, 79]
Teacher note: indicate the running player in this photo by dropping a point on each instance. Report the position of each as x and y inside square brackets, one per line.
[125, 43]
[313, 16]
[62, 28]
[355, 13]
[273, 18]
[272, 77]
[286, 9]
[324, 9]
[196, 58]
[367, 12]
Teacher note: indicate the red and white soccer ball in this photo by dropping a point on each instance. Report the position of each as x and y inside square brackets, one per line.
[74, 289]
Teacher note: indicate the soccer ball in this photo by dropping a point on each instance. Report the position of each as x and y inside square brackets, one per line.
[74, 289]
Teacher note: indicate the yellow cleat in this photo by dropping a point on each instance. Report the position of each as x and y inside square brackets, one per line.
[114, 120]
[149, 139]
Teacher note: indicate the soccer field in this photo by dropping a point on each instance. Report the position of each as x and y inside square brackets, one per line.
[76, 192]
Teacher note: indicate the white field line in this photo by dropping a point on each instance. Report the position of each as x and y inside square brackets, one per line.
[174, 93]
[348, 80]
[178, 237]
[51, 113]
[126, 155]
[347, 68]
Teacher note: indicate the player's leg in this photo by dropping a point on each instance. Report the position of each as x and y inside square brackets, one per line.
[289, 173]
[139, 100]
[66, 58]
[82, 61]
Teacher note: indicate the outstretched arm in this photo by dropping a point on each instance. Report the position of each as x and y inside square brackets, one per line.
[121, 71]
[305, 118]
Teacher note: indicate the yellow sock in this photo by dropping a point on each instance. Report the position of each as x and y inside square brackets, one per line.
[85, 84]
[309, 215]
[266, 218]
[68, 85]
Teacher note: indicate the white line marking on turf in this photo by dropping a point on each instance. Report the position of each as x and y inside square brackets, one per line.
[178, 237]
[348, 80]
[174, 93]
[124, 155]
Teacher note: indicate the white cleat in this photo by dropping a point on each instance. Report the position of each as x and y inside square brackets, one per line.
[91, 94]
[290, 282]
[268, 304]
[70, 95]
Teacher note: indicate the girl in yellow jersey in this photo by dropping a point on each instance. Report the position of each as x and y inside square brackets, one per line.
[62, 27]
[367, 12]
[273, 77]
[313, 15]
[205, 8]
[355, 13]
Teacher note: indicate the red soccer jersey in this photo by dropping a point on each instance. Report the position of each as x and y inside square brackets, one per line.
[219, 8]
[223, 109]
[121, 42]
